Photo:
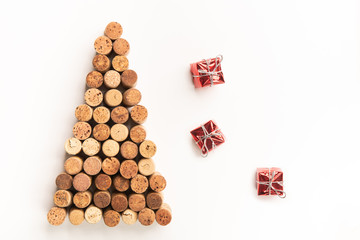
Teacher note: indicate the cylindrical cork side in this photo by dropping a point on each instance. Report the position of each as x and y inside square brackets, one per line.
[111, 218]
[132, 97]
[110, 165]
[121, 47]
[113, 98]
[72, 146]
[147, 149]
[163, 215]
[63, 198]
[137, 134]
[82, 199]
[146, 166]
[103, 45]
[103, 181]
[56, 216]
[119, 132]
[93, 214]
[121, 184]
[139, 114]
[139, 183]
[93, 97]
[101, 63]
[113, 30]
[157, 182]
[112, 79]
[82, 130]
[76, 216]
[129, 78]
[119, 202]
[92, 165]
[101, 132]
[129, 216]
[120, 63]
[91, 147]
[82, 182]
[102, 199]
[110, 148]
[154, 200]
[83, 113]
[146, 216]
[137, 202]
[120, 114]
[94, 79]
[73, 165]
[128, 169]
[129, 150]
[101, 114]
[64, 181]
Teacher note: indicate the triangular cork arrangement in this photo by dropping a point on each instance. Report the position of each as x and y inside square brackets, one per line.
[109, 173]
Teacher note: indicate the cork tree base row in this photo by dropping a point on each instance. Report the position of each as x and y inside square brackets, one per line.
[109, 173]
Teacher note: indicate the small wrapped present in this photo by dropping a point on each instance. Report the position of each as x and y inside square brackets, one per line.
[207, 137]
[207, 72]
[269, 181]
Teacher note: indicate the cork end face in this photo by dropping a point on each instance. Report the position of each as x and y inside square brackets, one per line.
[56, 216]
[113, 30]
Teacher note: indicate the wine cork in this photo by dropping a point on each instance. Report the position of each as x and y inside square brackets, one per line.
[157, 182]
[82, 182]
[102, 199]
[154, 200]
[73, 165]
[147, 149]
[101, 132]
[121, 46]
[139, 114]
[63, 198]
[129, 78]
[72, 146]
[137, 202]
[103, 182]
[129, 216]
[93, 214]
[146, 216]
[82, 130]
[111, 218]
[101, 63]
[101, 114]
[137, 134]
[64, 181]
[163, 215]
[91, 147]
[93, 97]
[129, 150]
[113, 97]
[110, 148]
[128, 169]
[121, 184]
[92, 165]
[56, 216]
[83, 113]
[76, 216]
[139, 183]
[103, 45]
[113, 30]
[120, 63]
[110, 165]
[132, 97]
[119, 202]
[120, 114]
[82, 199]
[112, 79]
[146, 166]
[94, 79]
[119, 132]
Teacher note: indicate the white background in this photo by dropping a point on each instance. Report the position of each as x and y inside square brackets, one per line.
[291, 100]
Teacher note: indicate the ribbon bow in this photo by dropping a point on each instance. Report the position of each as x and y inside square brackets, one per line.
[271, 187]
[213, 72]
[207, 136]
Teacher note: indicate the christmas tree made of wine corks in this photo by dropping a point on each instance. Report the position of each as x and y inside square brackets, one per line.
[109, 173]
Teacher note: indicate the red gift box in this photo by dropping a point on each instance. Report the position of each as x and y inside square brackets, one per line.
[207, 72]
[269, 181]
[207, 137]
